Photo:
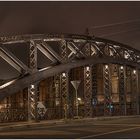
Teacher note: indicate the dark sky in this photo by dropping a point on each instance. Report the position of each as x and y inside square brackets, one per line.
[69, 17]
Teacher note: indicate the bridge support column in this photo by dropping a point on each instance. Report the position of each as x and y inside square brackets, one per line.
[94, 89]
[57, 94]
[135, 91]
[88, 90]
[107, 90]
[122, 90]
[32, 89]
[65, 81]
[65, 93]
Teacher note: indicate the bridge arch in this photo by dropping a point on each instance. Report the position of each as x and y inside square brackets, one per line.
[72, 51]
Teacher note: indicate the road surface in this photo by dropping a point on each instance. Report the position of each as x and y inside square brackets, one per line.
[114, 129]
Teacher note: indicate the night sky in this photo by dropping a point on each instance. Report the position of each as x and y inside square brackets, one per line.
[18, 18]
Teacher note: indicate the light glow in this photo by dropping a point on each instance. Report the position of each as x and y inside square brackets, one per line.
[79, 99]
[106, 66]
[121, 67]
[32, 86]
[134, 71]
[87, 68]
[64, 74]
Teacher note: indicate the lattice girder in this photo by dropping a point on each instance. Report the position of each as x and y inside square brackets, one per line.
[88, 90]
[32, 89]
[107, 89]
[122, 90]
[135, 93]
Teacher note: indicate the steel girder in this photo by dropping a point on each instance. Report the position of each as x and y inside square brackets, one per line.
[78, 51]
[108, 47]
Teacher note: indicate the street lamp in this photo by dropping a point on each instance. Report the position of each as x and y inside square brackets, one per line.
[76, 85]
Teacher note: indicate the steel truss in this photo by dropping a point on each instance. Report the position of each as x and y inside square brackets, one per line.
[74, 47]
[75, 51]
[122, 90]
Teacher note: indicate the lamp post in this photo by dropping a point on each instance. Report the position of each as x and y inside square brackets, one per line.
[76, 84]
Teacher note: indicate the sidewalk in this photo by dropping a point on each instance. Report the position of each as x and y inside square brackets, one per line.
[12, 125]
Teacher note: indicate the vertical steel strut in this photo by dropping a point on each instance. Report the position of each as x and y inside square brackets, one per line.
[94, 88]
[122, 90]
[64, 92]
[88, 91]
[32, 89]
[107, 90]
[135, 92]
[65, 81]
[57, 93]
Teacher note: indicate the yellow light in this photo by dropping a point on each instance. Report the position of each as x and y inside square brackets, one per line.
[79, 99]
[64, 74]
[87, 68]
[106, 66]
[134, 71]
[121, 67]
[32, 86]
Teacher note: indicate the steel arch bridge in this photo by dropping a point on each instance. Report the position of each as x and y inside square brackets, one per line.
[66, 52]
